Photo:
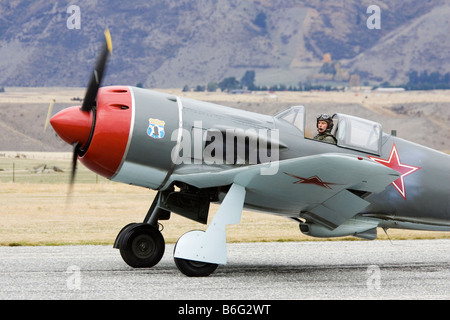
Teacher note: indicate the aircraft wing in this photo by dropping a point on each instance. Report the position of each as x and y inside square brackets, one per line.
[325, 188]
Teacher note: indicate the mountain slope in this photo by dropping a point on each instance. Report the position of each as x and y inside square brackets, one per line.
[170, 43]
[420, 45]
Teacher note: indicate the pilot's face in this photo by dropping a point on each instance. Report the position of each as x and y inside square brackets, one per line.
[322, 126]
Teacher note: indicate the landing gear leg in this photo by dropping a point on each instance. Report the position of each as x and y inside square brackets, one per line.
[198, 253]
[142, 245]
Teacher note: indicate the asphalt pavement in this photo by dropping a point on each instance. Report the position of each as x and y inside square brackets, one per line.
[402, 269]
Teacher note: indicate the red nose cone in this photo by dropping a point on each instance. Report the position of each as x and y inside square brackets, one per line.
[73, 125]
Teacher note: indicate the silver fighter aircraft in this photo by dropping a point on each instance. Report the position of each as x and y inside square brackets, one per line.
[196, 153]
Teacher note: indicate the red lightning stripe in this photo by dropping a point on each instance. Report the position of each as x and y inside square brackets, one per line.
[312, 180]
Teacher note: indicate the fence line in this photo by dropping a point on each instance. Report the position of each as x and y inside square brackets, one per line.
[35, 171]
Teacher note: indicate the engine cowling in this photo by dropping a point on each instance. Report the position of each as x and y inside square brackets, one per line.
[147, 160]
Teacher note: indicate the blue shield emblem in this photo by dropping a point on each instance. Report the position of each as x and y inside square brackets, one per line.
[156, 128]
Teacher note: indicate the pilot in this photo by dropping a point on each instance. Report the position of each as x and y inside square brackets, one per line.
[324, 126]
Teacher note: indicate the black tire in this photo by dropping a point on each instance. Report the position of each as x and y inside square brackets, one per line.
[119, 235]
[195, 268]
[142, 246]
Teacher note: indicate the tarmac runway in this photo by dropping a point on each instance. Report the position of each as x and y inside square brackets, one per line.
[403, 269]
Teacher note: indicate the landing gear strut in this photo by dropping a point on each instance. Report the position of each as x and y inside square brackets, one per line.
[197, 253]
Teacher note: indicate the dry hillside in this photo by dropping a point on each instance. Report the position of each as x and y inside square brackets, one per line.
[419, 116]
[170, 43]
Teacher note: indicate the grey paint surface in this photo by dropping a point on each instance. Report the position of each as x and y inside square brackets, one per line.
[423, 203]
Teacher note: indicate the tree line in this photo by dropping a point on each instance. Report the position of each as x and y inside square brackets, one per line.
[427, 81]
[416, 81]
[247, 82]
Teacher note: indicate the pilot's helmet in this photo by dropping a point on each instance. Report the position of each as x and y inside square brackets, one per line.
[327, 119]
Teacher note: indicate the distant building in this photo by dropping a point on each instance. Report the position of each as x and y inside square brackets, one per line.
[390, 89]
[239, 91]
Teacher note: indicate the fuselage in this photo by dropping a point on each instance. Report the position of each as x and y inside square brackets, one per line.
[142, 137]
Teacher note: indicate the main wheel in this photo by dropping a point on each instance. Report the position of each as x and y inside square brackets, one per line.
[195, 268]
[142, 245]
[192, 268]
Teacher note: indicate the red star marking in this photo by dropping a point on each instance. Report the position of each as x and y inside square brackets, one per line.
[394, 163]
[312, 180]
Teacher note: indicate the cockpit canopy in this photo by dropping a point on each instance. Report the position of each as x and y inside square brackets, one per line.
[357, 133]
[351, 132]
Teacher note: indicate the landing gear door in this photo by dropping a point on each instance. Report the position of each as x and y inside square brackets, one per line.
[358, 134]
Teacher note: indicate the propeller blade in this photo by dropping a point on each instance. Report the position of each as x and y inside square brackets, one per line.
[89, 101]
[96, 78]
[49, 113]
[76, 149]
